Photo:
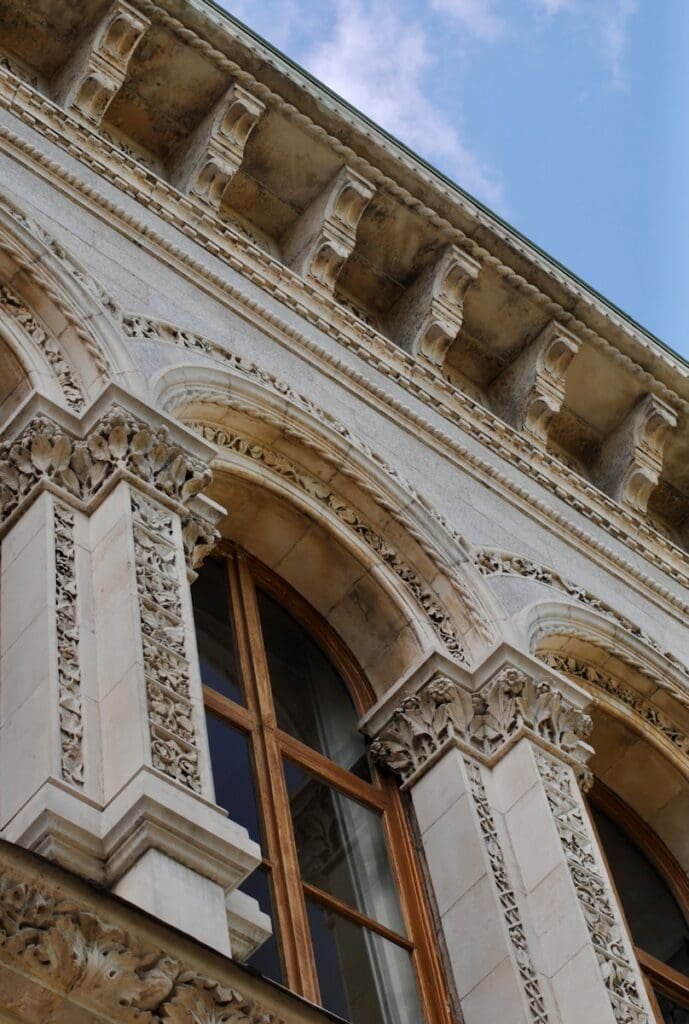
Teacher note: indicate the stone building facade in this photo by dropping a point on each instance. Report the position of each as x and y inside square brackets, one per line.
[344, 567]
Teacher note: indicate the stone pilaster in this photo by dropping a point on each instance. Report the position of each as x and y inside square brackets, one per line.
[495, 776]
[102, 731]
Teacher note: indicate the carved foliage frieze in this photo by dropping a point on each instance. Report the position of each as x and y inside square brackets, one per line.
[174, 749]
[67, 380]
[483, 722]
[68, 668]
[618, 971]
[631, 698]
[439, 619]
[500, 563]
[69, 950]
[81, 466]
[506, 896]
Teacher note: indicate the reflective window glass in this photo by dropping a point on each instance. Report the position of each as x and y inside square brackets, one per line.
[312, 702]
[654, 917]
[233, 773]
[215, 631]
[266, 959]
[363, 977]
[341, 847]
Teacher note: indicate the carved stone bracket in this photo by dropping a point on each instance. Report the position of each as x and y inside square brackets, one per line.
[213, 155]
[631, 459]
[529, 393]
[428, 317]
[483, 723]
[93, 78]
[324, 236]
[80, 460]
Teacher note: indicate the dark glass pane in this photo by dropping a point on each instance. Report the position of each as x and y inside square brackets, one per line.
[653, 914]
[266, 959]
[342, 848]
[363, 977]
[232, 773]
[312, 702]
[215, 631]
[672, 1012]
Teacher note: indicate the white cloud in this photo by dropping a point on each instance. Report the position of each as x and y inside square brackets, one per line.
[614, 26]
[379, 62]
[605, 24]
[479, 17]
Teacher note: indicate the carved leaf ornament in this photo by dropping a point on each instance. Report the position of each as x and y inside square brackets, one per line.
[81, 467]
[484, 722]
[67, 948]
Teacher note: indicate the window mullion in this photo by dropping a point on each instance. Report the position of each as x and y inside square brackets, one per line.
[295, 935]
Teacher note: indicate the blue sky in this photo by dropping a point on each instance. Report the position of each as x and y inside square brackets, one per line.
[569, 118]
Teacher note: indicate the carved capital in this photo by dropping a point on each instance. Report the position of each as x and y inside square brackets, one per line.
[631, 459]
[483, 723]
[322, 239]
[93, 78]
[529, 393]
[213, 155]
[80, 460]
[429, 316]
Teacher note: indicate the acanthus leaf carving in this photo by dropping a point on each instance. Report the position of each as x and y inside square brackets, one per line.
[502, 563]
[64, 946]
[507, 896]
[483, 722]
[70, 386]
[68, 668]
[170, 714]
[439, 619]
[618, 970]
[81, 466]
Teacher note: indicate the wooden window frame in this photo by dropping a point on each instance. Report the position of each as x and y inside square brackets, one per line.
[657, 975]
[269, 744]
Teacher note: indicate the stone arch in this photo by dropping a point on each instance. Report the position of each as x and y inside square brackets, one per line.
[60, 331]
[346, 530]
[640, 712]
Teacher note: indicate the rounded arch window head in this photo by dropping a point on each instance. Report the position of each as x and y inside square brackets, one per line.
[338, 878]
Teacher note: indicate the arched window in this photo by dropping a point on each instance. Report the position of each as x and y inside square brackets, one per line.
[338, 878]
[654, 894]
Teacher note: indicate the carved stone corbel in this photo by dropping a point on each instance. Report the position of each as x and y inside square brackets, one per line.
[428, 317]
[631, 459]
[529, 393]
[93, 78]
[483, 723]
[321, 240]
[214, 153]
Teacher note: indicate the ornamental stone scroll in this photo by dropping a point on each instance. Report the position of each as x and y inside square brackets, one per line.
[102, 729]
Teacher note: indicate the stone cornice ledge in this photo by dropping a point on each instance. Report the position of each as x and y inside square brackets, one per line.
[70, 951]
[511, 697]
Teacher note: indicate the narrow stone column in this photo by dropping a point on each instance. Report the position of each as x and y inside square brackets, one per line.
[102, 732]
[529, 916]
